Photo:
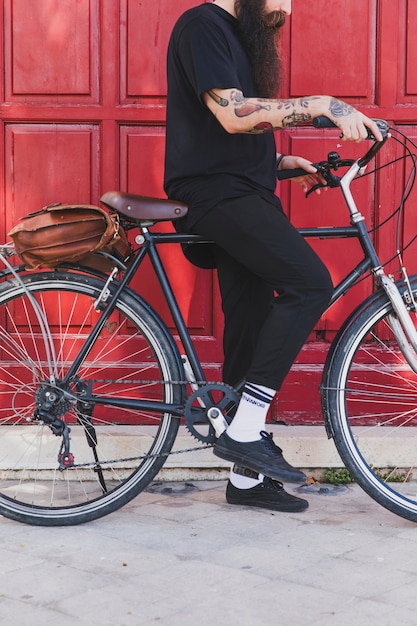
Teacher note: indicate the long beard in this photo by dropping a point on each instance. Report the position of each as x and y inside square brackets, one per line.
[260, 32]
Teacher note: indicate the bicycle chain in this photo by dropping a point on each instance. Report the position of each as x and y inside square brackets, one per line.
[143, 457]
[200, 383]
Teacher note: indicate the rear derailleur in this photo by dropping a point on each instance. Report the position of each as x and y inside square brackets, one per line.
[52, 403]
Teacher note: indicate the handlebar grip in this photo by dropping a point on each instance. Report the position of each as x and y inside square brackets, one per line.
[286, 174]
[323, 122]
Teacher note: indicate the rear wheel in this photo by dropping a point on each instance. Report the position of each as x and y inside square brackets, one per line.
[113, 452]
[370, 399]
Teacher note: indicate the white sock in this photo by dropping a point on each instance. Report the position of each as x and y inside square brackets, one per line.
[251, 413]
[243, 478]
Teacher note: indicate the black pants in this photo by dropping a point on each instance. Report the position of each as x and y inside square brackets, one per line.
[260, 254]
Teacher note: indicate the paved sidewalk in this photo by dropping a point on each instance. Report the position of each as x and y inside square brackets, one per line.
[186, 558]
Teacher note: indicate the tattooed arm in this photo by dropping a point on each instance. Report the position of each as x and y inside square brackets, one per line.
[238, 114]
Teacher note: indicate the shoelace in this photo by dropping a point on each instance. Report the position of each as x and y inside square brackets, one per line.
[269, 441]
[272, 484]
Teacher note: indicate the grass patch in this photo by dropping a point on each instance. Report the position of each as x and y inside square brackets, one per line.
[342, 476]
[338, 476]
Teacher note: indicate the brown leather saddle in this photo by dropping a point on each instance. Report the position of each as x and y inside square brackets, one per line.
[149, 210]
[143, 208]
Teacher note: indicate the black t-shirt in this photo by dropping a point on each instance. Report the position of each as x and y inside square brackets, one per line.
[204, 164]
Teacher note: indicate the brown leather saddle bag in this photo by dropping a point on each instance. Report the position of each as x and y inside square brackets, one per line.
[64, 233]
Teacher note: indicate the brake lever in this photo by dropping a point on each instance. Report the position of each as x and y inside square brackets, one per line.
[323, 168]
[315, 187]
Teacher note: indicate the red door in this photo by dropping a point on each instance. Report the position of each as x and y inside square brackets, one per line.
[83, 108]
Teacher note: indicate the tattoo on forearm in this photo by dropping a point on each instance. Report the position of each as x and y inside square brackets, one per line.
[218, 99]
[304, 103]
[294, 119]
[296, 110]
[263, 127]
[340, 109]
[249, 108]
[244, 107]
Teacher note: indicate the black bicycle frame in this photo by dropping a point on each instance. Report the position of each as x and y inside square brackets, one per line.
[149, 248]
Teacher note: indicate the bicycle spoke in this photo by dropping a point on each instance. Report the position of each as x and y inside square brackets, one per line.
[129, 447]
[372, 403]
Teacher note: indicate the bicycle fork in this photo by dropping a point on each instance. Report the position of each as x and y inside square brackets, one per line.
[401, 323]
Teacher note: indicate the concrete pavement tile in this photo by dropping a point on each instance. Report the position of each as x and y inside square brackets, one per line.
[400, 597]
[390, 552]
[354, 503]
[25, 614]
[239, 599]
[198, 589]
[46, 583]
[55, 541]
[290, 550]
[409, 532]
[322, 540]
[12, 560]
[77, 547]
[346, 576]
[116, 561]
[182, 587]
[231, 518]
[198, 536]
[170, 536]
[120, 605]
[361, 611]
[190, 509]
[272, 562]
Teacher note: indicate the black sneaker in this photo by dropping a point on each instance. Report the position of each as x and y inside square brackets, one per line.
[270, 494]
[261, 456]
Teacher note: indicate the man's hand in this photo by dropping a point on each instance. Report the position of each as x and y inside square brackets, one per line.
[353, 124]
[310, 179]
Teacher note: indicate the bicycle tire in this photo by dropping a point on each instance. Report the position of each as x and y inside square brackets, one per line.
[133, 347]
[369, 401]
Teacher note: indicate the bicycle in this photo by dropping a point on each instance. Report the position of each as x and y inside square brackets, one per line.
[83, 358]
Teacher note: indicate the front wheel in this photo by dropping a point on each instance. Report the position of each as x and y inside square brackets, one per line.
[114, 450]
[369, 397]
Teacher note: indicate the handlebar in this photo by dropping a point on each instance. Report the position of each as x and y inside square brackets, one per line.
[334, 161]
[324, 122]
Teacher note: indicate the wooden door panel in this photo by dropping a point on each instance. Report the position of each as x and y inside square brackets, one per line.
[47, 163]
[409, 221]
[411, 50]
[142, 150]
[51, 50]
[144, 41]
[397, 47]
[332, 49]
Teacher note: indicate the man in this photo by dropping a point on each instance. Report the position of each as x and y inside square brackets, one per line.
[223, 77]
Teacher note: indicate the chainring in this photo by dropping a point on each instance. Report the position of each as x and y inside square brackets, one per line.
[218, 395]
